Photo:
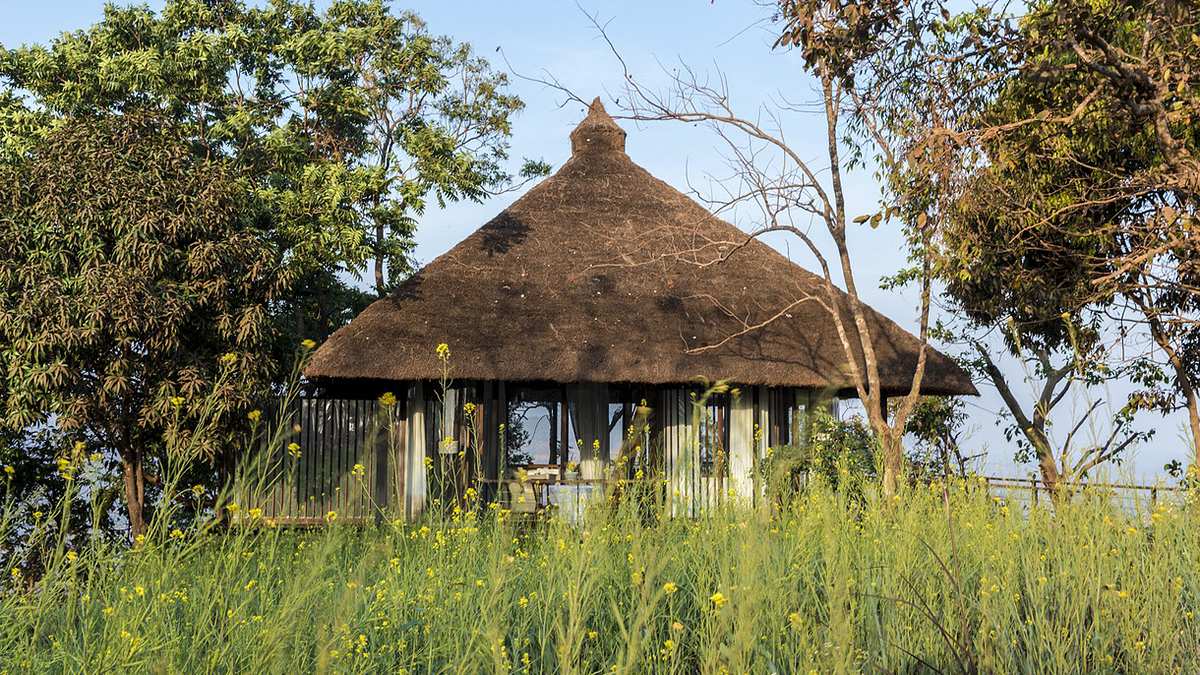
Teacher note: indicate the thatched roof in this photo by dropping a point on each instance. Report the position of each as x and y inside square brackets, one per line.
[604, 273]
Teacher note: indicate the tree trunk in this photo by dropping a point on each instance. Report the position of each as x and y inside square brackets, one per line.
[893, 461]
[1193, 408]
[135, 493]
[1051, 476]
[380, 285]
[891, 441]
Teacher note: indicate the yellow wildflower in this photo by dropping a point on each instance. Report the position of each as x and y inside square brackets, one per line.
[388, 399]
[177, 533]
[228, 358]
[255, 513]
[359, 470]
[176, 401]
[293, 449]
[331, 516]
[72, 555]
[198, 490]
[718, 599]
[254, 415]
[670, 588]
[308, 343]
[443, 352]
[9, 470]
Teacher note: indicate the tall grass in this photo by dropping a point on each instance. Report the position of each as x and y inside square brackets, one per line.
[942, 578]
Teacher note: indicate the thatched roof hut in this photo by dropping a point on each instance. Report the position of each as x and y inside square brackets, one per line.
[577, 322]
[603, 273]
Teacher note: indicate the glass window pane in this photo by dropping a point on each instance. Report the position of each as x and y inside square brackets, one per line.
[533, 426]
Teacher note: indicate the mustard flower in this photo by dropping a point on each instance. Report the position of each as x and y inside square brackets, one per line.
[718, 599]
[308, 344]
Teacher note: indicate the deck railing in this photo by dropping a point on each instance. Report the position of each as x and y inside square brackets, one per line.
[1034, 490]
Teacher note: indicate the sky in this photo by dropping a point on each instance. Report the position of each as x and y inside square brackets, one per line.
[726, 37]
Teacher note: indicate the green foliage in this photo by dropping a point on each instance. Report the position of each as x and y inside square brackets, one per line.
[299, 145]
[936, 427]
[1085, 206]
[843, 454]
[133, 265]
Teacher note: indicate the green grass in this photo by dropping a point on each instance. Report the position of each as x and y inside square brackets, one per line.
[942, 578]
[905, 585]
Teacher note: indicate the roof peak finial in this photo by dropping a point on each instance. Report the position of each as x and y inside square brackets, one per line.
[597, 132]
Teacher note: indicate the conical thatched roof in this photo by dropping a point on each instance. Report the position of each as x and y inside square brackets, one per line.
[604, 273]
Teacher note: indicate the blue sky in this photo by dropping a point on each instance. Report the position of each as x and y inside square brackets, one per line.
[709, 35]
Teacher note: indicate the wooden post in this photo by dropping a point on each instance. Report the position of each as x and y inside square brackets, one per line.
[564, 442]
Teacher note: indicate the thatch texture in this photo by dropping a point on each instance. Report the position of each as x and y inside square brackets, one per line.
[604, 273]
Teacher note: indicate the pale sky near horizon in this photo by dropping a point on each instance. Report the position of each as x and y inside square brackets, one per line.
[733, 37]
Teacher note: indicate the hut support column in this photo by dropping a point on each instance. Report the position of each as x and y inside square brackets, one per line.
[680, 451]
[415, 480]
[741, 448]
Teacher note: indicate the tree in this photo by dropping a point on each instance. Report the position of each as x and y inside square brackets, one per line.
[137, 273]
[288, 103]
[1041, 308]
[434, 118]
[1089, 183]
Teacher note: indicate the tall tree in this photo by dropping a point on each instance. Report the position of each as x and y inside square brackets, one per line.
[337, 126]
[137, 279]
[1087, 184]
[432, 118]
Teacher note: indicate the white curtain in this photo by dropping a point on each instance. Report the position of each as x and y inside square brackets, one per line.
[589, 418]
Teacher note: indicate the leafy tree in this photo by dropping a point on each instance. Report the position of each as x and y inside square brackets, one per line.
[330, 131]
[137, 272]
[435, 119]
[1084, 203]
[43, 504]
